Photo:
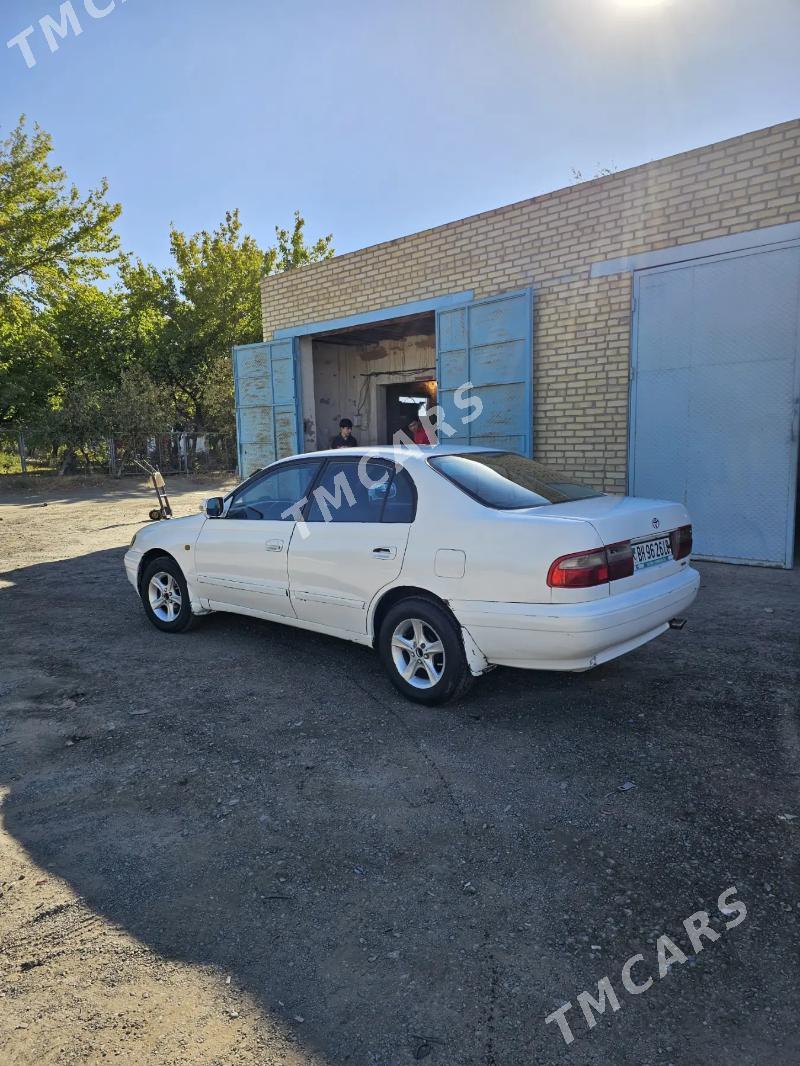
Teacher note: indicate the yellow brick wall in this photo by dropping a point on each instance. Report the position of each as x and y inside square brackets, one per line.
[582, 325]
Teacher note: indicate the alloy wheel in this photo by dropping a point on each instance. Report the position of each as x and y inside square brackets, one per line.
[164, 594]
[418, 653]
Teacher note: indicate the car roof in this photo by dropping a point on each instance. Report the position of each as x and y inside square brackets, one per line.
[390, 451]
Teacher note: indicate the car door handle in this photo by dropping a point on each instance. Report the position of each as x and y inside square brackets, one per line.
[274, 545]
[384, 553]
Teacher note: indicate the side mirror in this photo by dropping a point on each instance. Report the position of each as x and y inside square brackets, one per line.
[214, 507]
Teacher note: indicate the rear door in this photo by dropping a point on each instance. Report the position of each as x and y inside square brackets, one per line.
[490, 344]
[357, 527]
[715, 399]
[267, 393]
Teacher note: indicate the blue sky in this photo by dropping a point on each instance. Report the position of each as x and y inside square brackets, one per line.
[381, 117]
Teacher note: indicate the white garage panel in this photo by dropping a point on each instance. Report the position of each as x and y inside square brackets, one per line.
[714, 399]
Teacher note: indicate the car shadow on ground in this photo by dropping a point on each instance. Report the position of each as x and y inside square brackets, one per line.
[411, 882]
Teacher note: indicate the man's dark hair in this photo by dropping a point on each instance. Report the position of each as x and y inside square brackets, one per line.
[345, 423]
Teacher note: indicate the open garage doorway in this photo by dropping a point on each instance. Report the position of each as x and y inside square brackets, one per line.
[292, 391]
[473, 358]
[405, 403]
[361, 372]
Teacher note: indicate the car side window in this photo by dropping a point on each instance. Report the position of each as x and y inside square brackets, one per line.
[401, 501]
[351, 492]
[273, 496]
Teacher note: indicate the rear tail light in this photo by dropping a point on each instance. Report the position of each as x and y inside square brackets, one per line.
[620, 560]
[584, 570]
[681, 542]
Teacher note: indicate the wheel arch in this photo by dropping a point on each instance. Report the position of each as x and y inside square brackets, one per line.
[391, 596]
[148, 557]
[477, 661]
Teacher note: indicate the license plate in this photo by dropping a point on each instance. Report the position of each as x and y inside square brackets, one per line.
[651, 552]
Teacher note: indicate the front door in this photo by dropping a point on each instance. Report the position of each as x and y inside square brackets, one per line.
[357, 527]
[241, 559]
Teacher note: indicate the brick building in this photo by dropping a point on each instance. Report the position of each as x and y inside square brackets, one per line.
[640, 331]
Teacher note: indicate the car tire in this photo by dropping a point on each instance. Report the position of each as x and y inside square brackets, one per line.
[165, 595]
[421, 649]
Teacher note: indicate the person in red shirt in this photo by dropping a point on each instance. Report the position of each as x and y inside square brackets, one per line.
[419, 434]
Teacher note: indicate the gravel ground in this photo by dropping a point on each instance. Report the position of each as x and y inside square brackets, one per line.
[240, 846]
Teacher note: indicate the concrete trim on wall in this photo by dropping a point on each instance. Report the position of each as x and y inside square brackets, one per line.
[383, 313]
[679, 253]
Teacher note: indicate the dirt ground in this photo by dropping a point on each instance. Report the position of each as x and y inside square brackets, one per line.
[241, 846]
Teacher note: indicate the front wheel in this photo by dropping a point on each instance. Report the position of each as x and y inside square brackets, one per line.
[165, 595]
[421, 649]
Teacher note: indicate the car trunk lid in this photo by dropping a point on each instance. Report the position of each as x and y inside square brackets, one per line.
[646, 523]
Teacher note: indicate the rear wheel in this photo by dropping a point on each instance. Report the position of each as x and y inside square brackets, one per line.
[421, 649]
[165, 595]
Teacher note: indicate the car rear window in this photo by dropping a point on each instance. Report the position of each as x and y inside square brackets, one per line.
[508, 481]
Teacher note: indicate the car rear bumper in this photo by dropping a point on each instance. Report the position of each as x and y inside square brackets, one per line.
[575, 636]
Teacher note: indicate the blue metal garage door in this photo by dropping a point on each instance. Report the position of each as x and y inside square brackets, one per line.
[267, 403]
[715, 398]
[488, 343]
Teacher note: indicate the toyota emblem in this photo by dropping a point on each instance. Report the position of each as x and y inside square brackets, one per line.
[656, 523]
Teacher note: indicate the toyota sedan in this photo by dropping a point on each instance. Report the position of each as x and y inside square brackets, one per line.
[447, 561]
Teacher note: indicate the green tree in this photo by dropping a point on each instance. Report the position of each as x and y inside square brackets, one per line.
[189, 316]
[87, 413]
[292, 250]
[94, 337]
[95, 376]
[27, 372]
[78, 422]
[135, 411]
[50, 236]
[52, 242]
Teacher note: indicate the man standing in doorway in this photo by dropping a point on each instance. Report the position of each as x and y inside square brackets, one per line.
[344, 438]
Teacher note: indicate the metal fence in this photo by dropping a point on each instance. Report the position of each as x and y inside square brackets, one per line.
[27, 452]
[178, 453]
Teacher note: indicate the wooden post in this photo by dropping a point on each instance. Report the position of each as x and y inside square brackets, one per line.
[23, 455]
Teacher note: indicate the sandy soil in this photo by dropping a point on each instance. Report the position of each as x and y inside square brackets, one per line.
[240, 846]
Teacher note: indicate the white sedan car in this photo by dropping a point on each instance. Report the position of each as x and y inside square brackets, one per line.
[447, 560]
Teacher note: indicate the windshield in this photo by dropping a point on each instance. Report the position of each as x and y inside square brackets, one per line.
[507, 481]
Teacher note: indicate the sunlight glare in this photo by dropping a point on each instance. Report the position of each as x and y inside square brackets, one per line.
[639, 5]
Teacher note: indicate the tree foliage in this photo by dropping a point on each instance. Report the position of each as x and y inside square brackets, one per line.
[136, 409]
[79, 361]
[292, 250]
[51, 237]
[190, 315]
[27, 371]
